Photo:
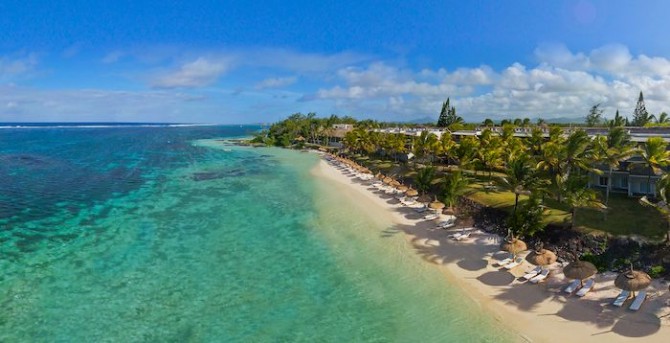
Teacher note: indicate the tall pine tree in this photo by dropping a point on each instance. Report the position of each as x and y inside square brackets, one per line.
[442, 120]
[640, 116]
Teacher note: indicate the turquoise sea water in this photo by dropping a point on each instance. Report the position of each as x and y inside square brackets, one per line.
[164, 234]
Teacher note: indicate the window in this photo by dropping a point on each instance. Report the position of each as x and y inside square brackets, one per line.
[624, 182]
[643, 188]
[602, 181]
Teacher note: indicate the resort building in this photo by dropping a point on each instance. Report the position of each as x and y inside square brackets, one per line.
[631, 178]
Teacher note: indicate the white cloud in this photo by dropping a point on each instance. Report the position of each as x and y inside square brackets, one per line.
[563, 83]
[276, 82]
[198, 73]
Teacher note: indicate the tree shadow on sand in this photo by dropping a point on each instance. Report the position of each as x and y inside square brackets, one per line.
[496, 278]
[602, 314]
[472, 264]
[522, 296]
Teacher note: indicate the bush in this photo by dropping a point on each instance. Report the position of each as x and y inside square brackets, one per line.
[656, 271]
[598, 260]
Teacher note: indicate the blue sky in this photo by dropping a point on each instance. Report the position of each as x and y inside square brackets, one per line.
[258, 61]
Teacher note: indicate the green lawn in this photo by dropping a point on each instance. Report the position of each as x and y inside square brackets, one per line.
[625, 215]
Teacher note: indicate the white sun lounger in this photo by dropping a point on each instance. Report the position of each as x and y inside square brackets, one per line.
[503, 262]
[531, 274]
[539, 277]
[431, 216]
[408, 202]
[586, 288]
[445, 224]
[513, 263]
[572, 286]
[639, 299]
[621, 298]
[462, 236]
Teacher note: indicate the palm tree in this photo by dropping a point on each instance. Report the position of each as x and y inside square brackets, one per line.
[535, 141]
[519, 178]
[611, 150]
[654, 156]
[424, 144]
[663, 191]
[466, 151]
[489, 154]
[424, 178]
[578, 195]
[446, 146]
[576, 152]
[454, 185]
[490, 158]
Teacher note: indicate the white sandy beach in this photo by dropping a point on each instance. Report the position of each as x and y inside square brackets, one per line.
[537, 313]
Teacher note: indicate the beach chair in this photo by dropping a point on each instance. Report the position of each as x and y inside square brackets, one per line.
[539, 277]
[462, 236]
[503, 262]
[572, 286]
[513, 263]
[639, 299]
[621, 298]
[531, 274]
[431, 216]
[586, 288]
[409, 202]
[445, 225]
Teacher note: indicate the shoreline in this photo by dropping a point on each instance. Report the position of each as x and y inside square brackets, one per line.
[518, 306]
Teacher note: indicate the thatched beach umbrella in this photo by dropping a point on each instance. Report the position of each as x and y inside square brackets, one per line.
[436, 205]
[395, 183]
[412, 193]
[380, 176]
[387, 180]
[513, 245]
[541, 257]
[402, 189]
[633, 280]
[579, 270]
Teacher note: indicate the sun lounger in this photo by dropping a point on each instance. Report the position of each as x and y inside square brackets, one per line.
[531, 274]
[586, 288]
[639, 299]
[539, 277]
[621, 298]
[445, 225]
[572, 286]
[503, 262]
[462, 236]
[431, 216]
[513, 263]
[421, 209]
